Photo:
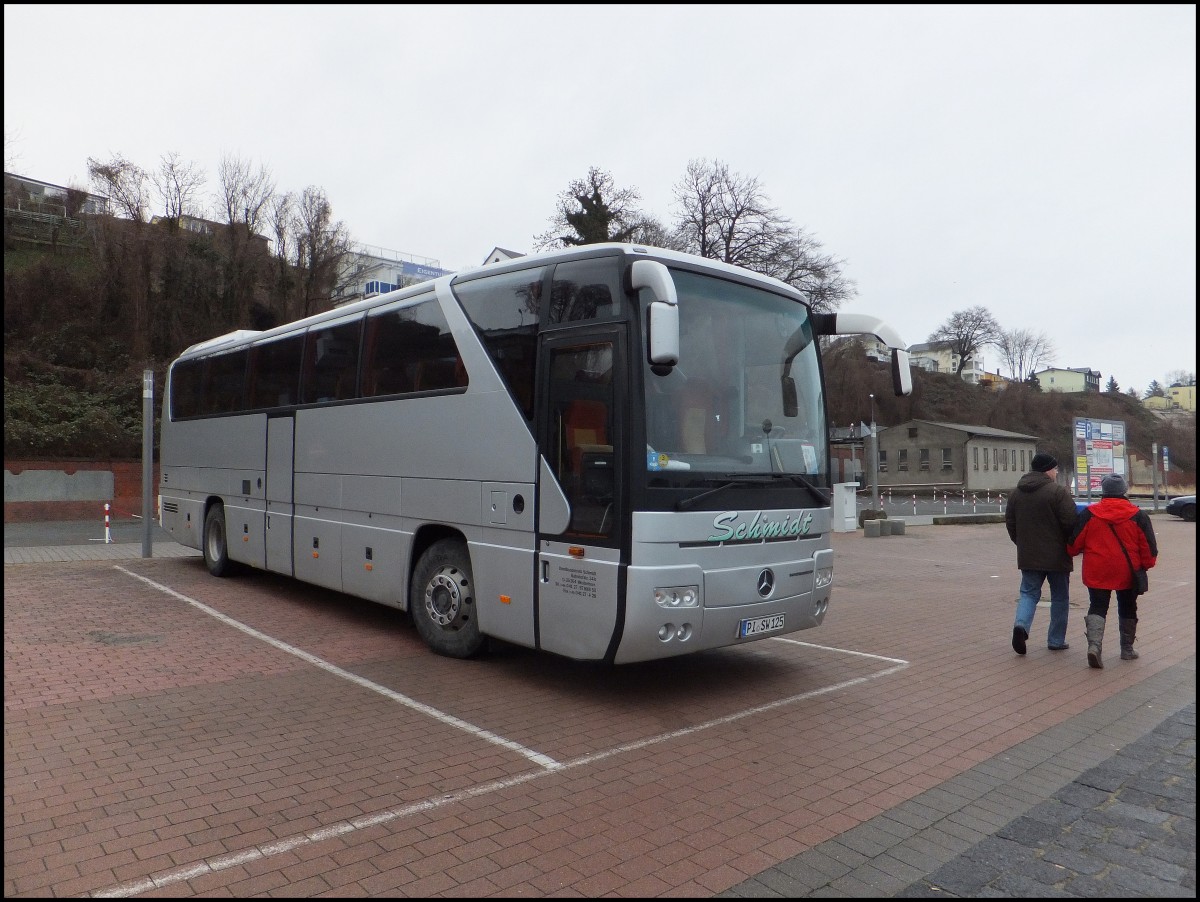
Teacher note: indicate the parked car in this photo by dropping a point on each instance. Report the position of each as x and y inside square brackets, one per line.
[1183, 506]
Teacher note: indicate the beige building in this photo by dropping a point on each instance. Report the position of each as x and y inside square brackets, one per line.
[1073, 379]
[940, 357]
[921, 454]
[1177, 397]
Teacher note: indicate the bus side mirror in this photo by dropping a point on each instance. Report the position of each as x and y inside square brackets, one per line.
[791, 402]
[901, 372]
[663, 318]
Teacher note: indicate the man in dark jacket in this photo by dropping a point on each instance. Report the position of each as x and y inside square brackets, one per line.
[1115, 538]
[1040, 517]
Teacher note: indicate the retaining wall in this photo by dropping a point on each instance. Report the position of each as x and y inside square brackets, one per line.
[72, 489]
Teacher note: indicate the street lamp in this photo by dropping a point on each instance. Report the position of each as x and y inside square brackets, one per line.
[874, 459]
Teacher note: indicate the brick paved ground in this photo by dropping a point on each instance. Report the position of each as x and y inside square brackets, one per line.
[171, 734]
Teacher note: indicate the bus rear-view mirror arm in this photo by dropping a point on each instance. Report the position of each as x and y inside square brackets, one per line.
[864, 324]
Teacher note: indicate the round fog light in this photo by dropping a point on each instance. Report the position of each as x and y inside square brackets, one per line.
[666, 632]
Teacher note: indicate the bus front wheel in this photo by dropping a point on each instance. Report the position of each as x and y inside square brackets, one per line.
[442, 600]
[216, 547]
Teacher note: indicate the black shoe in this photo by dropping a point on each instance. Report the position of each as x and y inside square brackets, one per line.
[1062, 647]
[1019, 637]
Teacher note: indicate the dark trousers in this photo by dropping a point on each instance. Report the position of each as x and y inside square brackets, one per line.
[1126, 602]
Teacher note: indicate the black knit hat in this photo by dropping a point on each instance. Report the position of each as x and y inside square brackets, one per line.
[1043, 462]
[1113, 486]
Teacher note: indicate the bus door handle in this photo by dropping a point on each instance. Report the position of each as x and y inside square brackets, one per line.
[545, 571]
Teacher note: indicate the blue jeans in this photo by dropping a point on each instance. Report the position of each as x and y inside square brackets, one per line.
[1060, 602]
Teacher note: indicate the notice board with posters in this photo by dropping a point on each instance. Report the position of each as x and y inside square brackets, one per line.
[1100, 450]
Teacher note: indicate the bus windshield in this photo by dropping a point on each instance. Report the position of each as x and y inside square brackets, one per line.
[721, 411]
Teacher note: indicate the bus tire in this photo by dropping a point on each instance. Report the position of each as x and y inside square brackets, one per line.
[442, 600]
[216, 543]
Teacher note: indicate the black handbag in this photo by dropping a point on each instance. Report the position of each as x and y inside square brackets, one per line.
[1141, 579]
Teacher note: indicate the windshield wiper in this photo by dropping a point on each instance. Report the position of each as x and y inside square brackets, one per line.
[685, 503]
[815, 490]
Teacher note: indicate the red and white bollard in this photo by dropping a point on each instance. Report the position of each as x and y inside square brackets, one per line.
[107, 531]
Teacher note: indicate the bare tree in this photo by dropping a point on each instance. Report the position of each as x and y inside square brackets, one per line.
[1179, 377]
[243, 197]
[800, 261]
[1023, 351]
[320, 245]
[11, 156]
[178, 184]
[590, 211]
[281, 217]
[124, 183]
[726, 216]
[76, 200]
[654, 232]
[967, 332]
[245, 193]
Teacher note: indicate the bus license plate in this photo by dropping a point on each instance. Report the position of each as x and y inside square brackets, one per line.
[756, 625]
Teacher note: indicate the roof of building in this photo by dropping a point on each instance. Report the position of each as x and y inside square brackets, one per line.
[1086, 370]
[978, 430]
[511, 255]
[929, 346]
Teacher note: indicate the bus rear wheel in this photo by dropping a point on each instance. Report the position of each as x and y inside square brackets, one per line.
[442, 600]
[216, 546]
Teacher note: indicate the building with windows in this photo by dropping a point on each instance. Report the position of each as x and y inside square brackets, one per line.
[1073, 379]
[369, 270]
[940, 357]
[33, 196]
[921, 454]
[1177, 397]
[41, 213]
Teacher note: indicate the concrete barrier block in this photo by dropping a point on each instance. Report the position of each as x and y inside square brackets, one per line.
[897, 527]
[885, 527]
[871, 528]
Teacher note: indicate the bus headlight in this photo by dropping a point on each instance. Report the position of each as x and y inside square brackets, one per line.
[824, 576]
[677, 596]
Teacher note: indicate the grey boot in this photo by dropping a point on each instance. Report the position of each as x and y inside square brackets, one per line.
[1128, 626]
[1094, 625]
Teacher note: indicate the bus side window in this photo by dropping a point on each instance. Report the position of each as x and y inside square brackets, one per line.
[585, 289]
[225, 383]
[331, 363]
[506, 310]
[275, 372]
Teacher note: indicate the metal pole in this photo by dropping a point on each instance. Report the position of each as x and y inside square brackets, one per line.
[1154, 471]
[147, 460]
[874, 459]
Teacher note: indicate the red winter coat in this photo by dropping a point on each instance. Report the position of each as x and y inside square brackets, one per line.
[1104, 566]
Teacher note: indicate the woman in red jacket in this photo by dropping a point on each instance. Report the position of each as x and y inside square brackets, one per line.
[1105, 528]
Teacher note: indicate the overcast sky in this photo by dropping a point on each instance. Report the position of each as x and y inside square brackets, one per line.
[1037, 160]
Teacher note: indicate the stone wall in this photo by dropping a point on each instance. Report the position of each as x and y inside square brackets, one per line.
[73, 489]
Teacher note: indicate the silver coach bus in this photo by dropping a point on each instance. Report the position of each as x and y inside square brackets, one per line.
[612, 453]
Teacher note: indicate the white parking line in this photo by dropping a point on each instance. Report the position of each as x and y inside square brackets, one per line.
[448, 719]
[265, 850]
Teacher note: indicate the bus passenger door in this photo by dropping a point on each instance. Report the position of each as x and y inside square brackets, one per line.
[580, 430]
[281, 432]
